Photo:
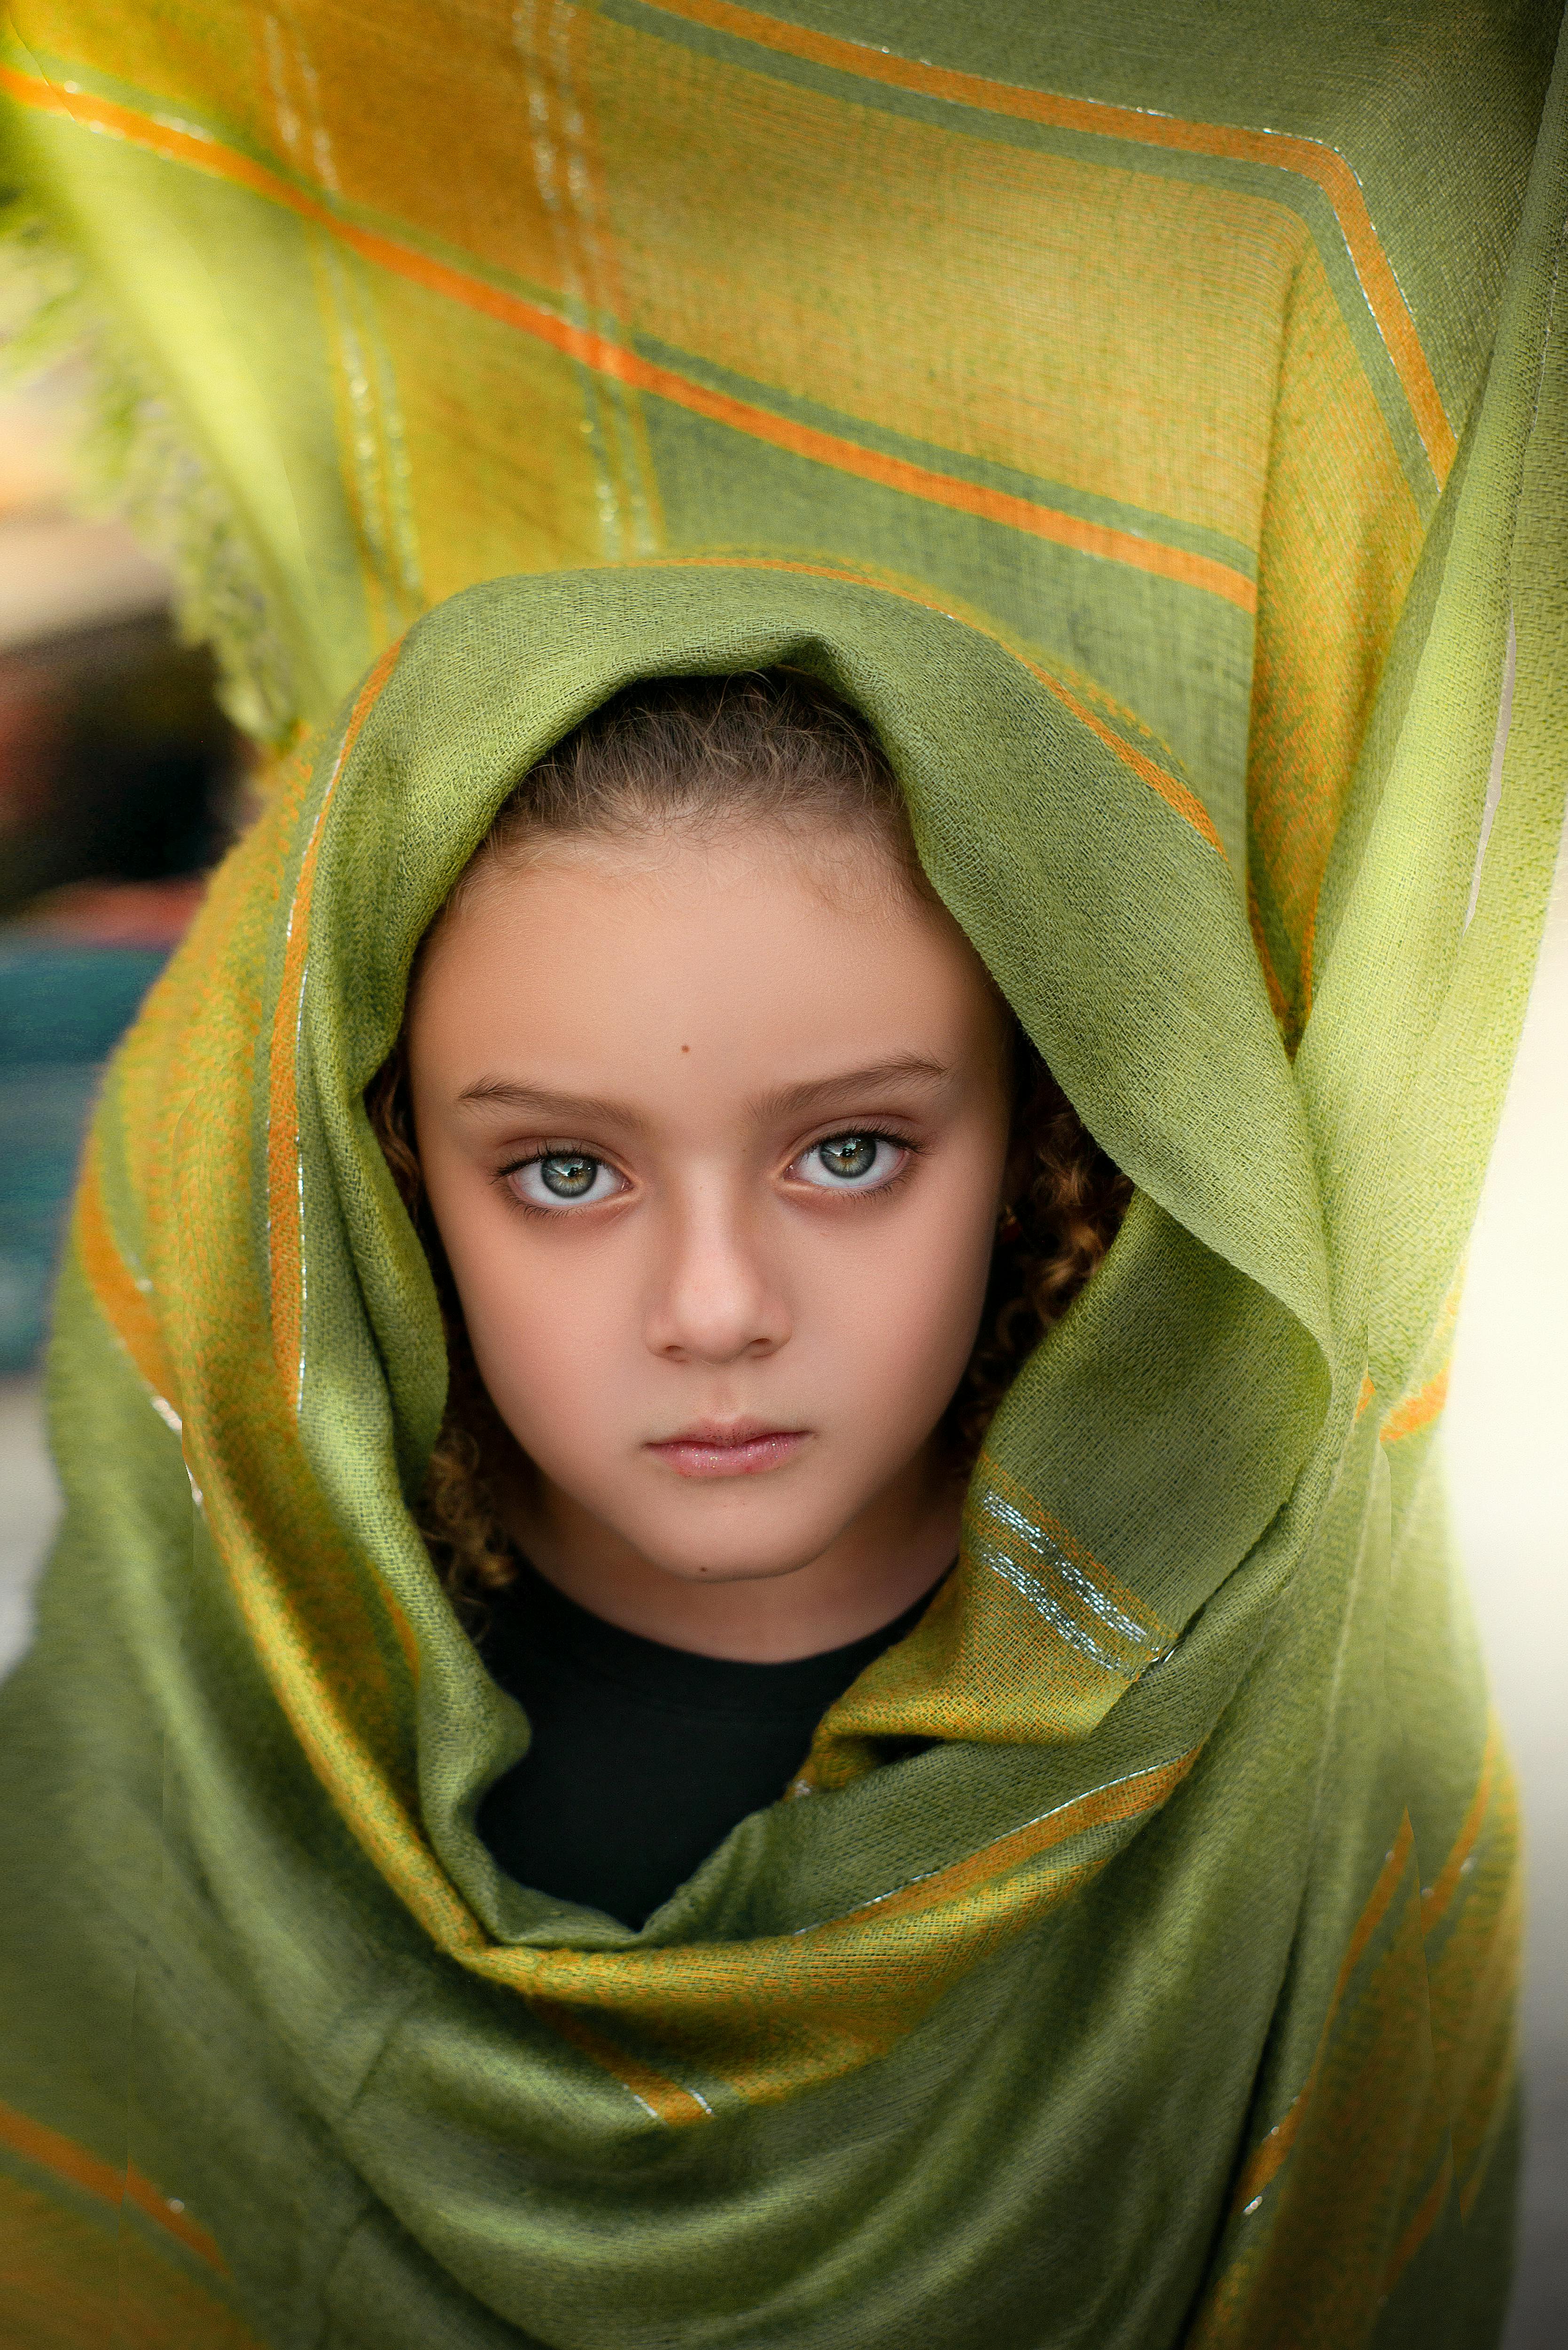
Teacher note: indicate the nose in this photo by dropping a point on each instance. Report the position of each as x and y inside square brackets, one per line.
[716, 1296]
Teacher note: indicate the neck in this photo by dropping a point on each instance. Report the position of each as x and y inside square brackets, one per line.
[894, 1552]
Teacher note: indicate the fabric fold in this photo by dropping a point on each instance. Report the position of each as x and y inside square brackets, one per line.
[1155, 441]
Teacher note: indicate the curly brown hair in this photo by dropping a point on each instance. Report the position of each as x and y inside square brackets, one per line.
[779, 746]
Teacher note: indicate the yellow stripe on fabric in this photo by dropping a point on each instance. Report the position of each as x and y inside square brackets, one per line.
[838, 1993]
[331, 1639]
[1472, 1985]
[611, 358]
[1187, 803]
[1031, 1640]
[1341, 535]
[285, 1198]
[1125, 1799]
[579, 220]
[1007, 1530]
[1309, 159]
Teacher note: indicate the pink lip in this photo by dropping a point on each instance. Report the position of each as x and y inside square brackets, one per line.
[734, 1448]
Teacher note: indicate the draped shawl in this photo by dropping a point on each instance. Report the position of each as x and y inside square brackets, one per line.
[1161, 438]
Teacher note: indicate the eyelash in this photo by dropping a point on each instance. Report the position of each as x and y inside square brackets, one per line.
[872, 1134]
[578, 1150]
[533, 1158]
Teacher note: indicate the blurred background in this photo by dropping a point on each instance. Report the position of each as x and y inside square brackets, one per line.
[120, 783]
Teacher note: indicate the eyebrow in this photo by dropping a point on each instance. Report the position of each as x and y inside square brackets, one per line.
[564, 1110]
[785, 1101]
[791, 1101]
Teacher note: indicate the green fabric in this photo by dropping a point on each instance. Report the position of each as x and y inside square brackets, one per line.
[1154, 339]
[1167, 1998]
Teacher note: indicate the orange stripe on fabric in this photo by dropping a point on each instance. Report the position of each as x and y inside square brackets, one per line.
[1423, 2219]
[838, 1993]
[664, 2098]
[1200, 571]
[1186, 803]
[1309, 159]
[286, 1240]
[1103, 1805]
[1365, 1393]
[1270, 2156]
[1436, 1896]
[47, 2149]
[122, 1301]
[1418, 1410]
[1174, 795]
[611, 358]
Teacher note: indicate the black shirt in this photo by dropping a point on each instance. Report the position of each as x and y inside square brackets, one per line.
[643, 1757]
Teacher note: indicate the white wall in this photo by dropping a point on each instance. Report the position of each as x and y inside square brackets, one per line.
[1507, 1443]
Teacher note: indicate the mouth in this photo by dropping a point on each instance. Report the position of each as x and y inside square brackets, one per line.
[729, 1448]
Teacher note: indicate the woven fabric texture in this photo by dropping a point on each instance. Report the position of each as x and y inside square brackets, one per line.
[1160, 432]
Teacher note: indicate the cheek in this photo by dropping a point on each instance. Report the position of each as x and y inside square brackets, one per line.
[535, 1314]
[947, 1269]
[548, 1326]
[897, 1309]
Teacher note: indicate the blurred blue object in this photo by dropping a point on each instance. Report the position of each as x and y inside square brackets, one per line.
[63, 1008]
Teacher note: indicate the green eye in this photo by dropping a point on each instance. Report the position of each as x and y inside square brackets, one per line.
[848, 1156]
[568, 1178]
[565, 1178]
[852, 1162]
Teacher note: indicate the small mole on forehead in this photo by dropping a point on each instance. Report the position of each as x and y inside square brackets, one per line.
[686, 1048]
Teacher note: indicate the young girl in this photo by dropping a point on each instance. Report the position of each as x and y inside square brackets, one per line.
[705, 1685]
[714, 1124]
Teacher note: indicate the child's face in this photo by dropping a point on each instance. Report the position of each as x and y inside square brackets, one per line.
[714, 1133]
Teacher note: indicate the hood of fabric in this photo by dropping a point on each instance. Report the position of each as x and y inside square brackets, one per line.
[1156, 441]
[1134, 1534]
[1087, 876]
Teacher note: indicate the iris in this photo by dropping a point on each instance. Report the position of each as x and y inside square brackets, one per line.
[569, 1176]
[848, 1156]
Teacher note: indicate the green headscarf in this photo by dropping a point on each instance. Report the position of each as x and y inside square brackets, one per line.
[1174, 1977]
[1183, 504]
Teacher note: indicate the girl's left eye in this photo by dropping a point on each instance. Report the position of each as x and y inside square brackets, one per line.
[565, 1178]
[852, 1162]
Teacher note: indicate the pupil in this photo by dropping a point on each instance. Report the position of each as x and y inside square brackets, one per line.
[569, 1178]
[850, 1154]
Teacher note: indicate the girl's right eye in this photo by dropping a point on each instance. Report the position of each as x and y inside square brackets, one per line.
[565, 1179]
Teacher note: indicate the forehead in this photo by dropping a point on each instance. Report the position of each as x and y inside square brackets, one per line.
[758, 944]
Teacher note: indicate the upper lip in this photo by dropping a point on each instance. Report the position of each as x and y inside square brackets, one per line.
[727, 1434]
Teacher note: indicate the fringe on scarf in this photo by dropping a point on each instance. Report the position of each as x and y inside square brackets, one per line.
[133, 461]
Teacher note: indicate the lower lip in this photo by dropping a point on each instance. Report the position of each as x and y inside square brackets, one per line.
[748, 1460]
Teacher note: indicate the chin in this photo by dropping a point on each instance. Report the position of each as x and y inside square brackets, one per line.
[704, 1554]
